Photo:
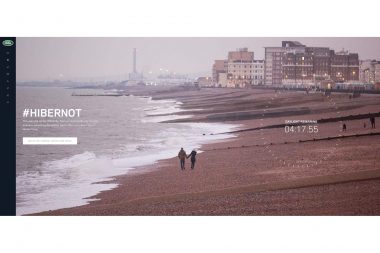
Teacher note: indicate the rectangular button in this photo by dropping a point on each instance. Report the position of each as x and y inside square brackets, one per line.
[49, 140]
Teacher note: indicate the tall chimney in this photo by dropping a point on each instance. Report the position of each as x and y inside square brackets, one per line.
[134, 60]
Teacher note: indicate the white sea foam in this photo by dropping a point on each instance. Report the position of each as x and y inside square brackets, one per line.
[165, 110]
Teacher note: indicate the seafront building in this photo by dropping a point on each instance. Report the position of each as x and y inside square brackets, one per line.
[205, 82]
[219, 70]
[369, 71]
[306, 67]
[239, 70]
[258, 72]
[344, 67]
[294, 64]
[274, 60]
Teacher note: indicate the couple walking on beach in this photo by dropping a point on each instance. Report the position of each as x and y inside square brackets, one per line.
[182, 156]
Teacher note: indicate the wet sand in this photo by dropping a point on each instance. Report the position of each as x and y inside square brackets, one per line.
[259, 172]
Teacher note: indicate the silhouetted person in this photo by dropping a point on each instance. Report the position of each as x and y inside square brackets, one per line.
[373, 123]
[344, 128]
[182, 157]
[364, 125]
[192, 154]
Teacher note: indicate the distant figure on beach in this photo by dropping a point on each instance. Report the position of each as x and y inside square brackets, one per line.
[192, 154]
[182, 157]
[344, 128]
[372, 119]
[364, 125]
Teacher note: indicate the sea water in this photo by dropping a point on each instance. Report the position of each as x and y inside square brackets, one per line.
[128, 132]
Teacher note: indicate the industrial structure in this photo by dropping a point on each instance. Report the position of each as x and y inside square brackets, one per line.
[135, 78]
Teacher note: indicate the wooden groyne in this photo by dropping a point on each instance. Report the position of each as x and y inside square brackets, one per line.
[299, 141]
[320, 121]
[98, 95]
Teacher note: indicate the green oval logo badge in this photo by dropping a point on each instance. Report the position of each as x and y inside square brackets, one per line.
[8, 43]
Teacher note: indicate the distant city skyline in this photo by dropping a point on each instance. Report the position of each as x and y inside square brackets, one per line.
[111, 58]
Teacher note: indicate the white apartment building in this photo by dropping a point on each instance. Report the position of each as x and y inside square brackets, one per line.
[369, 71]
[258, 72]
[222, 80]
[239, 70]
[245, 74]
[377, 72]
[366, 72]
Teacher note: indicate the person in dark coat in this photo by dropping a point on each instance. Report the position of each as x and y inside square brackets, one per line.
[344, 128]
[372, 119]
[182, 157]
[192, 154]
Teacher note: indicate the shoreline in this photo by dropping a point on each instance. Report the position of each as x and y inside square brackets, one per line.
[173, 106]
[148, 190]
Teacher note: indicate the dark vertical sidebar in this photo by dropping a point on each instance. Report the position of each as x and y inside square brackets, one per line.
[8, 126]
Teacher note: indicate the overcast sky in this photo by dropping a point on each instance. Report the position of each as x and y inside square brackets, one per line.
[86, 58]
